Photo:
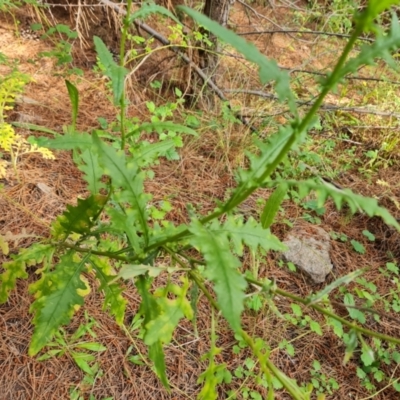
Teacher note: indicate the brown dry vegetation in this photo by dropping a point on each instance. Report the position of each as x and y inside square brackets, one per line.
[202, 175]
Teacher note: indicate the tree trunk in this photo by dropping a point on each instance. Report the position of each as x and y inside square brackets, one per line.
[217, 10]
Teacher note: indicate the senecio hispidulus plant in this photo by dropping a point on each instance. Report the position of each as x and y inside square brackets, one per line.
[128, 243]
[13, 144]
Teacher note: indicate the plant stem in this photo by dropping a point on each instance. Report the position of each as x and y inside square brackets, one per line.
[268, 366]
[107, 254]
[121, 63]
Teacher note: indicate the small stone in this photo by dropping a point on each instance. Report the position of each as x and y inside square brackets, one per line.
[27, 118]
[310, 252]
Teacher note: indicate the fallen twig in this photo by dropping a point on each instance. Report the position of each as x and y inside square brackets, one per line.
[287, 31]
[325, 106]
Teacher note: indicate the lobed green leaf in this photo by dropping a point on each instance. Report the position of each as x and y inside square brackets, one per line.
[91, 169]
[57, 297]
[83, 216]
[125, 174]
[16, 269]
[250, 233]
[222, 270]
[113, 299]
[354, 201]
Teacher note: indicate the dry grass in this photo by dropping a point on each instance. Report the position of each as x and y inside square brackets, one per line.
[201, 177]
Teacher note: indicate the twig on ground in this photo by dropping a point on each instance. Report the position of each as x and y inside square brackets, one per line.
[326, 106]
[287, 31]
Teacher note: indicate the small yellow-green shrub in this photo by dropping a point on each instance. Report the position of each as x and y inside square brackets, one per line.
[10, 142]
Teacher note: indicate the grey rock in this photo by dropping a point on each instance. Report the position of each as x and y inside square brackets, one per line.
[309, 251]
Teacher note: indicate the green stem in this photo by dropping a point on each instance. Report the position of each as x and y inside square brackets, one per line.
[121, 63]
[268, 366]
[107, 254]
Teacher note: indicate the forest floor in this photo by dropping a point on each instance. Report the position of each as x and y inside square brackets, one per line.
[349, 148]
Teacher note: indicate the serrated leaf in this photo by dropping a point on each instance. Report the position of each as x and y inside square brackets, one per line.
[114, 71]
[367, 355]
[56, 299]
[103, 53]
[360, 373]
[382, 47]
[113, 292]
[296, 310]
[170, 313]
[146, 154]
[222, 270]
[392, 267]
[211, 377]
[396, 385]
[91, 169]
[125, 222]
[316, 327]
[125, 174]
[272, 205]
[16, 269]
[355, 202]
[369, 235]
[249, 233]
[82, 217]
[351, 345]
[117, 75]
[357, 246]
[269, 152]
[156, 354]
[353, 312]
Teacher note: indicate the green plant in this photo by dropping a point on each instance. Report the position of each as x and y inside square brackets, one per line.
[80, 350]
[74, 346]
[7, 5]
[62, 37]
[320, 381]
[13, 144]
[113, 234]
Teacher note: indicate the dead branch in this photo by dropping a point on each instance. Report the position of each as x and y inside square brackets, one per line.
[287, 31]
[324, 106]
